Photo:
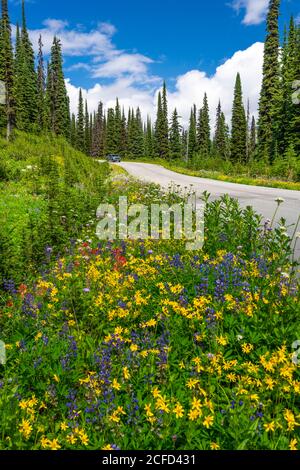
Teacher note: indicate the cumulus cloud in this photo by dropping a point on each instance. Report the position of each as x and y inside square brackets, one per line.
[189, 88]
[102, 58]
[255, 10]
[76, 42]
[128, 92]
[135, 64]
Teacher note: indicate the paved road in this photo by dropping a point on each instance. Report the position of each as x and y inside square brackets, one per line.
[260, 198]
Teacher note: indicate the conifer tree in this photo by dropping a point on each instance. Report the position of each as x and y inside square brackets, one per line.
[165, 127]
[57, 98]
[149, 143]
[87, 130]
[111, 144]
[41, 87]
[29, 77]
[220, 138]
[123, 140]
[48, 93]
[158, 126]
[184, 144]
[252, 138]
[289, 133]
[7, 68]
[21, 112]
[80, 134]
[73, 130]
[294, 137]
[248, 131]
[175, 137]
[203, 129]
[140, 149]
[192, 136]
[239, 125]
[162, 126]
[118, 128]
[268, 116]
[98, 134]
[135, 135]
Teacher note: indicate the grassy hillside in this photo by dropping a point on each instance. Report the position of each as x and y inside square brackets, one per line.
[48, 192]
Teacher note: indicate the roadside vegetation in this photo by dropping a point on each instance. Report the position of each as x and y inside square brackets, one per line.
[240, 174]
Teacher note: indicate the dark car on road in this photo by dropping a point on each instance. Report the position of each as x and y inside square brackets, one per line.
[113, 158]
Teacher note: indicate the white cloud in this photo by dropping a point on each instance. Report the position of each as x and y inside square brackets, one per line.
[135, 64]
[129, 94]
[76, 42]
[103, 58]
[256, 10]
[189, 88]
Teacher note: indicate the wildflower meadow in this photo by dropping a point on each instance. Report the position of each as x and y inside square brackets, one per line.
[140, 345]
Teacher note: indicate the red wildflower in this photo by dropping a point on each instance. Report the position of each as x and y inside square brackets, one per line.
[22, 290]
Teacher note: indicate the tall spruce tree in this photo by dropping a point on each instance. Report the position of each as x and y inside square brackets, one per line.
[295, 114]
[7, 69]
[118, 127]
[149, 142]
[87, 130]
[192, 135]
[80, 134]
[220, 138]
[123, 139]
[111, 142]
[253, 132]
[239, 125]
[98, 134]
[140, 149]
[184, 144]
[175, 137]
[73, 130]
[21, 112]
[162, 125]
[203, 129]
[57, 97]
[29, 76]
[285, 108]
[268, 105]
[41, 87]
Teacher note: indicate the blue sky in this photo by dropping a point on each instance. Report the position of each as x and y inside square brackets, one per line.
[127, 47]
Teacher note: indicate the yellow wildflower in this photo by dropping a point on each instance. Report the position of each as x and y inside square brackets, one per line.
[222, 340]
[126, 373]
[208, 422]
[54, 445]
[214, 446]
[270, 427]
[116, 385]
[191, 383]
[25, 428]
[194, 414]
[178, 411]
[293, 444]
[247, 348]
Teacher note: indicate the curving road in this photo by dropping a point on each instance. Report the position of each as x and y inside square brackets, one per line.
[260, 198]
